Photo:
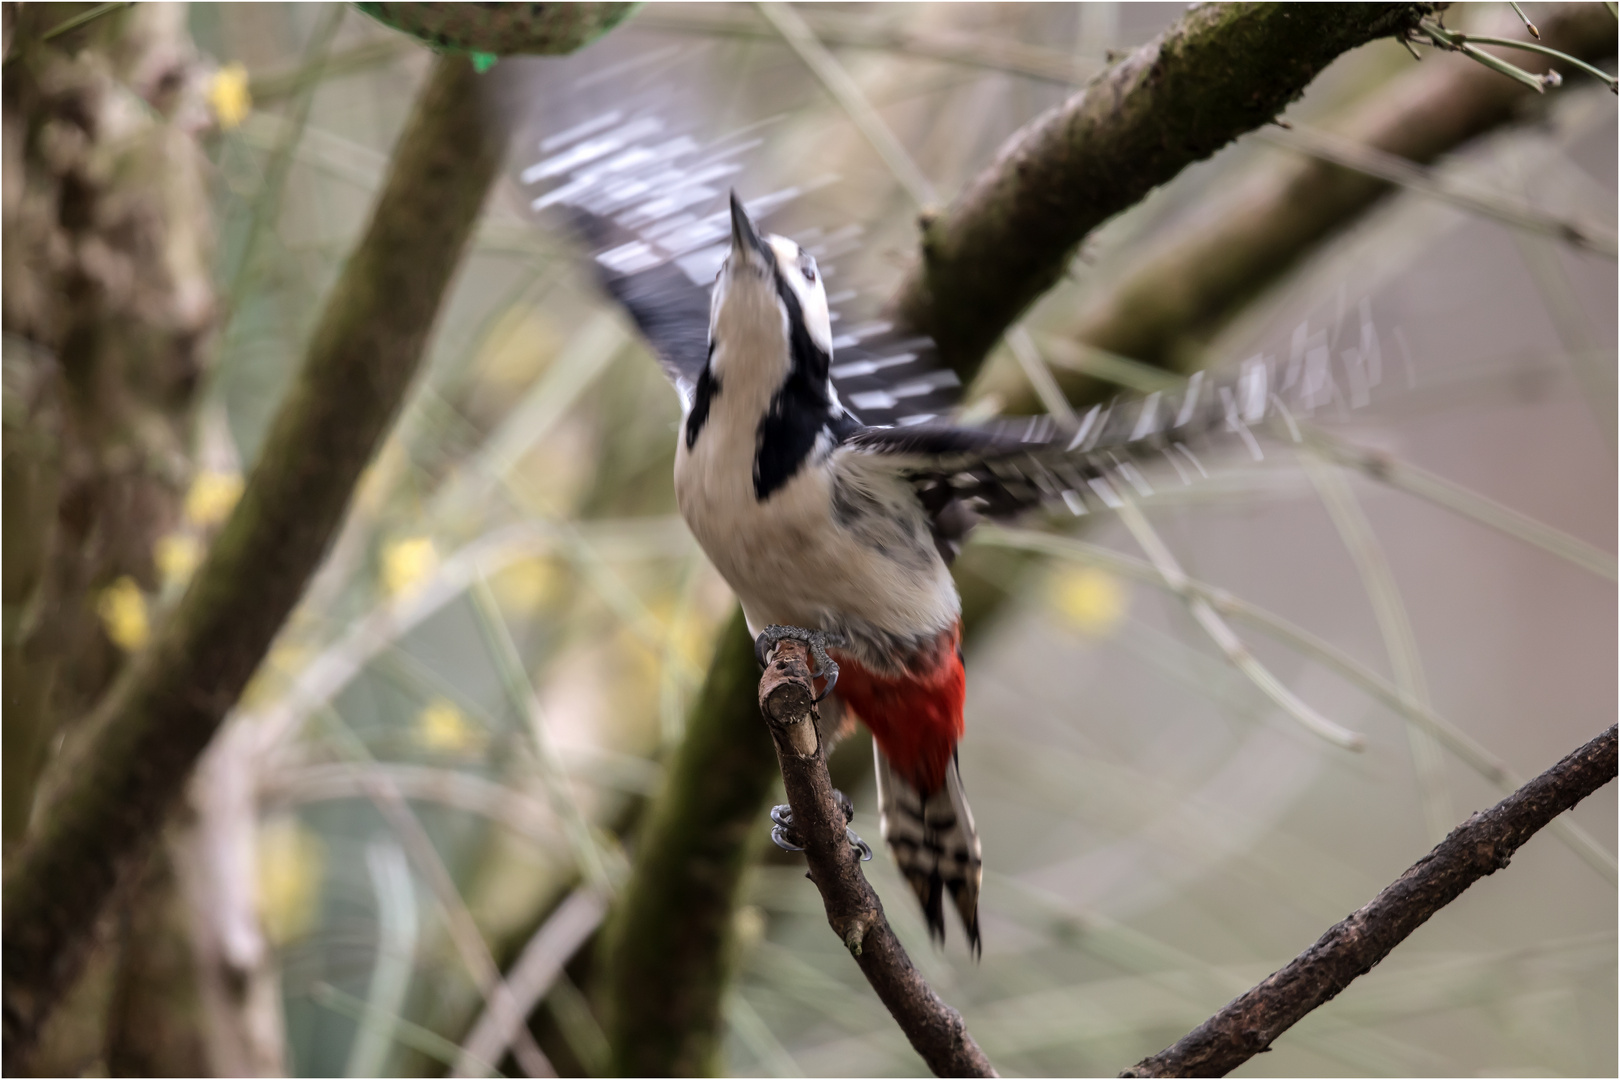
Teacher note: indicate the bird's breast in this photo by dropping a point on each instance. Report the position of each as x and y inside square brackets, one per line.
[817, 552]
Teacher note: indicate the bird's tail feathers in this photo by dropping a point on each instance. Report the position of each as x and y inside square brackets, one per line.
[935, 844]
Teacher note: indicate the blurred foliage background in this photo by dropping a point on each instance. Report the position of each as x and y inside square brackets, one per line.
[439, 770]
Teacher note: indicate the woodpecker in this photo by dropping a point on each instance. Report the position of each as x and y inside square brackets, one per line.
[815, 528]
[837, 522]
[842, 532]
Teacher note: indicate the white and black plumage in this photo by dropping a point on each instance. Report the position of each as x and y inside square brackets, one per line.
[843, 517]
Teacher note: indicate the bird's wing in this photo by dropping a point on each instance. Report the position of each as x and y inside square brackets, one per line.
[650, 204]
[1001, 469]
[670, 310]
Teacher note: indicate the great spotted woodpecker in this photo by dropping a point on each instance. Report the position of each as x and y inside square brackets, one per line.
[838, 522]
[817, 523]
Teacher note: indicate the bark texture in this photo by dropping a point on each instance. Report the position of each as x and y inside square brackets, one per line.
[935, 1030]
[1479, 846]
[1224, 69]
[108, 310]
[110, 792]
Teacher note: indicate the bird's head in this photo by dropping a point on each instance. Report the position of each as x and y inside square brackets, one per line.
[768, 281]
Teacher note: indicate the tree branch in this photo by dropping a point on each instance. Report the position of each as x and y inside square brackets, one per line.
[1183, 288]
[113, 791]
[1224, 69]
[1479, 846]
[856, 915]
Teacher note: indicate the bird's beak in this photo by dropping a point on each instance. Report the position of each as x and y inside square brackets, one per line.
[746, 243]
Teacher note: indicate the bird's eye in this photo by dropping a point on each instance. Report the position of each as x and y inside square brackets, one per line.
[807, 267]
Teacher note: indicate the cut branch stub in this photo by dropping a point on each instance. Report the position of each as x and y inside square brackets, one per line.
[936, 1031]
[788, 704]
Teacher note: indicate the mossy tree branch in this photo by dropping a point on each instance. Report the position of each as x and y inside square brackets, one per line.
[1220, 71]
[109, 795]
[1181, 290]
[1479, 846]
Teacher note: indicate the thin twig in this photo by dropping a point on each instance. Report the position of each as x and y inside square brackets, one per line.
[1032, 361]
[1380, 164]
[1528, 25]
[552, 946]
[398, 930]
[406, 1033]
[520, 691]
[994, 54]
[468, 792]
[844, 90]
[934, 1028]
[354, 60]
[1441, 38]
[84, 17]
[1468, 750]
[1227, 641]
[465, 936]
[266, 201]
[1557, 54]
[1479, 846]
[1459, 500]
[1231, 646]
[1394, 626]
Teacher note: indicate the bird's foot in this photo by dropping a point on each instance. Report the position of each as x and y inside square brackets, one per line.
[783, 836]
[817, 640]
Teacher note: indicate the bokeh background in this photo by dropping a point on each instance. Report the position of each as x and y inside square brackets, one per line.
[511, 626]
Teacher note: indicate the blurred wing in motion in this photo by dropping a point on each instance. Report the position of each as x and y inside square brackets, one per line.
[1005, 468]
[651, 206]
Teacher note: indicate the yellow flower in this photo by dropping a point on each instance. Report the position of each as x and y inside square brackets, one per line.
[749, 924]
[1093, 600]
[177, 556]
[228, 95]
[405, 563]
[291, 864]
[525, 585]
[441, 726]
[122, 608]
[211, 497]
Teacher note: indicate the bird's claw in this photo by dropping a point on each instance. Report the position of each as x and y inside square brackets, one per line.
[783, 836]
[817, 641]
